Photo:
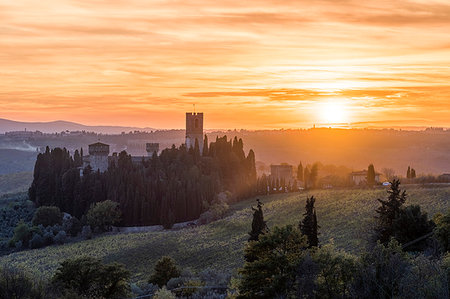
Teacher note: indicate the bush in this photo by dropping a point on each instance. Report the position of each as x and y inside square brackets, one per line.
[47, 216]
[103, 215]
[88, 277]
[72, 226]
[164, 294]
[410, 225]
[165, 269]
[49, 238]
[215, 212]
[37, 241]
[86, 232]
[16, 284]
[442, 230]
[60, 238]
[23, 233]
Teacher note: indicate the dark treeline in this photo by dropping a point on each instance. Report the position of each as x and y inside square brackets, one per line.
[169, 188]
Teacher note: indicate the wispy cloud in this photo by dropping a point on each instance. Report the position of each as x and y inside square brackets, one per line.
[247, 64]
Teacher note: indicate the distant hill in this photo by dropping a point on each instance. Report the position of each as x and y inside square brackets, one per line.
[59, 126]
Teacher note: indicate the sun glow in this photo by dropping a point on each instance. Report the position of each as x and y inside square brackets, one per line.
[333, 112]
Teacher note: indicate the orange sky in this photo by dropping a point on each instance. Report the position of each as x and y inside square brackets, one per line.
[246, 64]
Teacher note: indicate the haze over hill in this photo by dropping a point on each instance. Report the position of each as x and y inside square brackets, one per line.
[60, 125]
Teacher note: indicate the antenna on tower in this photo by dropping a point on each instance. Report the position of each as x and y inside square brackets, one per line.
[194, 108]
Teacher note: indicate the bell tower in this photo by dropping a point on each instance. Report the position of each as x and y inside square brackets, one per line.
[194, 129]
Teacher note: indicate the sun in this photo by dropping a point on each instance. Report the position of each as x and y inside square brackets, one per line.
[333, 112]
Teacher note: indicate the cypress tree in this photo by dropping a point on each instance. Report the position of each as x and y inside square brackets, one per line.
[371, 175]
[205, 147]
[259, 226]
[300, 172]
[413, 173]
[308, 226]
[408, 173]
[388, 211]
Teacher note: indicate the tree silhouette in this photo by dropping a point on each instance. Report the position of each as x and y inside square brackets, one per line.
[259, 226]
[389, 211]
[308, 226]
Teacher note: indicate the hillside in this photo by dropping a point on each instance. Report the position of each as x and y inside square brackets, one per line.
[16, 182]
[344, 216]
[59, 126]
[13, 161]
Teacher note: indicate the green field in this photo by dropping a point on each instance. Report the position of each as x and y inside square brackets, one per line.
[345, 216]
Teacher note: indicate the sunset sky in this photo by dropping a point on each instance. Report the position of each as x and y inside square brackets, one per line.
[246, 64]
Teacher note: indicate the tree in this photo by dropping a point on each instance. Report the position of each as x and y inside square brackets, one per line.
[87, 276]
[313, 175]
[47, 216]
[380, 272]
[411, 224]
[413, 173]
[442, 230]
[389, 173]
[306, 178]
[408, 173]
[371, 175]
[259, 226]
[300, 172]
[165, 269]
[103, 215]
[205, 146]
[16, 284]
[271, 263]
[308, 226]
[389, 211]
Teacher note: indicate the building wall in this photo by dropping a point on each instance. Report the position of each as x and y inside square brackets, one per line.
[194, 129]
[98, 162]
[282, 172]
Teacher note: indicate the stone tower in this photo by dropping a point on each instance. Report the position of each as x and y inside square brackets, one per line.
[98, 156]
[194, 129]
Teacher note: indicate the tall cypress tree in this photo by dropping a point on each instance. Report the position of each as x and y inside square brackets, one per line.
[308, 226]
[205, 147]
[408, 173]
[371, 175]
[413, 173]
[389, 211]
[259, 226]
[300, 172]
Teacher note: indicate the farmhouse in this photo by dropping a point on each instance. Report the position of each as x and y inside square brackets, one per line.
[360, 177]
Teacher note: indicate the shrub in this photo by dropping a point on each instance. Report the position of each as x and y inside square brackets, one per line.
[23, 233]
[49, 238]
[103, 215]
[47, 216]
[60, 238]
[164, 294]
[88, 277]
[86, 232]
[442, 230]
[72, 226]
[410, 225]
[165, 269]
[16, 284]
[215, 212]
[37, 241]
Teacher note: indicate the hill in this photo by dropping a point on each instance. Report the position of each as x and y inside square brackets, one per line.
[59, 126]
[14, 161]
[345, 216]
[16, 182]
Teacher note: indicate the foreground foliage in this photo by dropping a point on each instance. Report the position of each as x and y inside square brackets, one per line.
[345, 216]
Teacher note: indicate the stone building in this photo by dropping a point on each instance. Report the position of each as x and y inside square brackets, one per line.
[360, 177]
[282, 172]
[194, 129]
[98, 157]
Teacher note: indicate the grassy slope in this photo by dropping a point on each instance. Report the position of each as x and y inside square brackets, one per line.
[344, 216]
[15, 182]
